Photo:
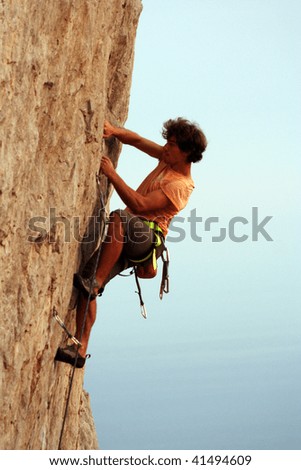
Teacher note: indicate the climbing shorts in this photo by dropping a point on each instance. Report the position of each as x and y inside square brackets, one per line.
[139, 240]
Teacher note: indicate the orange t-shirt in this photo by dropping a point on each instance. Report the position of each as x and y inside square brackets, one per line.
[175, 186]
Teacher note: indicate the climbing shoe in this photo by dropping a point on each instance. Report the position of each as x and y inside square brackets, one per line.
[68, 355]
[84, 285]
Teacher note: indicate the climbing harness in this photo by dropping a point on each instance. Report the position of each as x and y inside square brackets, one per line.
[152, 258]
[101, 211]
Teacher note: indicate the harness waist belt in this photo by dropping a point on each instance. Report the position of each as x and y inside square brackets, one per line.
[153, 226]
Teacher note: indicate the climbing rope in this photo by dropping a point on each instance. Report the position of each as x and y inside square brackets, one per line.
[102, 211]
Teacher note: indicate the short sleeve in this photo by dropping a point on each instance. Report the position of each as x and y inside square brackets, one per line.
[178, 192]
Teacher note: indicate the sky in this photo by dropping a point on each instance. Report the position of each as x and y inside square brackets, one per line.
[216, 365]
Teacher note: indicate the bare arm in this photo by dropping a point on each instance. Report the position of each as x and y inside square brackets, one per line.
[131, 138]
[138, 203]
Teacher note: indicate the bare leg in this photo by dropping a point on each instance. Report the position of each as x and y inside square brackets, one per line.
[111, 248]
[110, 253]
[84, 334]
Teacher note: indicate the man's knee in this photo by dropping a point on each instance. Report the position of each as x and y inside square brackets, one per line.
[116, 227]
[115, 217]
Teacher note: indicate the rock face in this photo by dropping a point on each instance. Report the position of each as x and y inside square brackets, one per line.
[66, 65]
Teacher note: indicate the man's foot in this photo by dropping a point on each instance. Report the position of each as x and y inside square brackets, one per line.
[68, 355]
[84, 285]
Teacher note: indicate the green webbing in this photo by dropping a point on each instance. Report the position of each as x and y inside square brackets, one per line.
[157, 243]
[152, 225]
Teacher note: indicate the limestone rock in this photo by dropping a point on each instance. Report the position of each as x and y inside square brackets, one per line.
[66, 65]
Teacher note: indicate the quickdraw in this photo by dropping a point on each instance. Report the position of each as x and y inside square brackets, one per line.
[164, 287]
[62, 324]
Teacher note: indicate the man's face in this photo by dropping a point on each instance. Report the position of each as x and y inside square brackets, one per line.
[172, 153]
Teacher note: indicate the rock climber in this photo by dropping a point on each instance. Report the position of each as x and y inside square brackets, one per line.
[149, 210]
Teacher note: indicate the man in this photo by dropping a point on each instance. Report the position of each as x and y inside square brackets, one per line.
[150, 209]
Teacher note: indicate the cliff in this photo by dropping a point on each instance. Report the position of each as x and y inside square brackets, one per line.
[66, 65]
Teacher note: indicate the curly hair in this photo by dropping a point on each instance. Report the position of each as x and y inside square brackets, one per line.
[190, 138]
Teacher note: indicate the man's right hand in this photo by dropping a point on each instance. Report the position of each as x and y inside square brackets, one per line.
[108, 130]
